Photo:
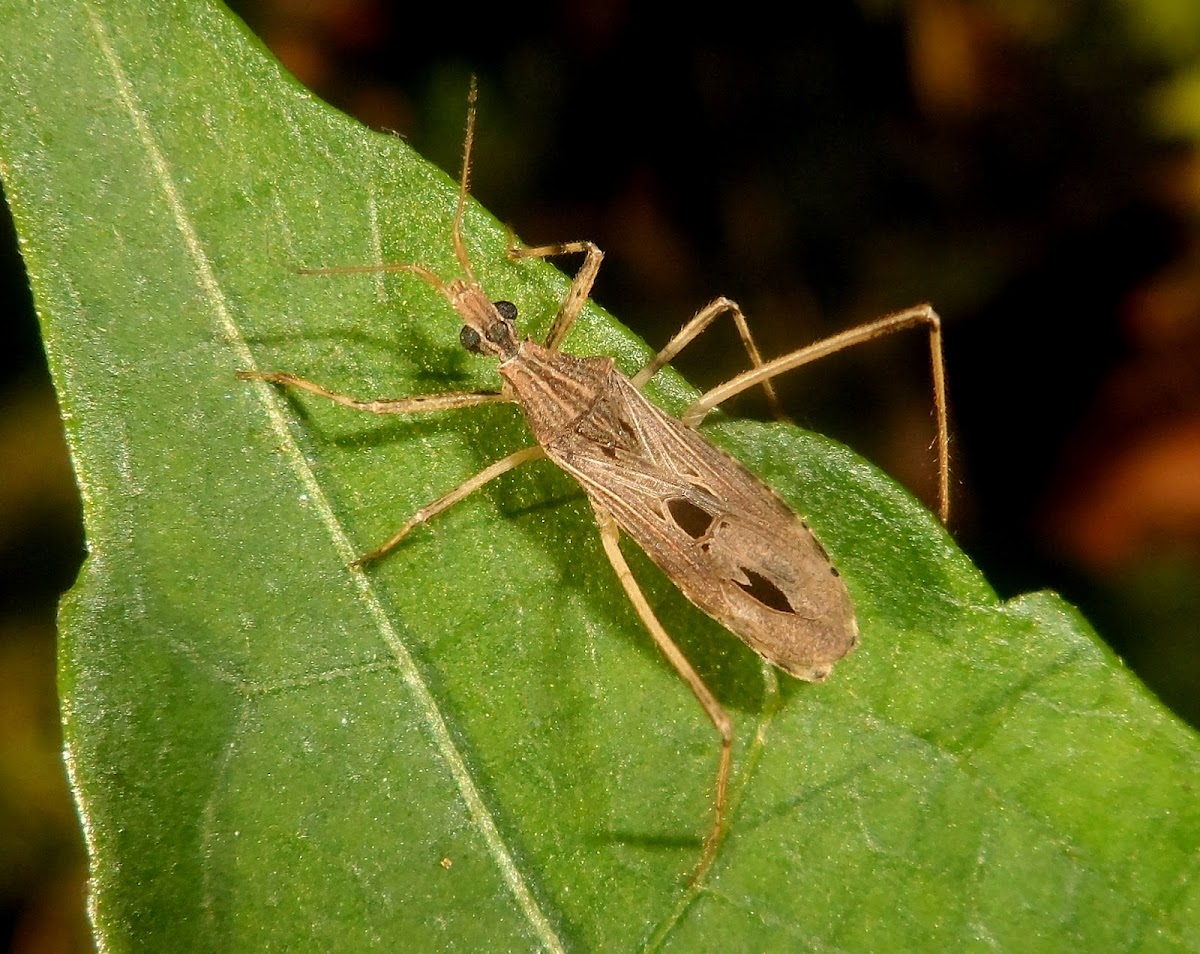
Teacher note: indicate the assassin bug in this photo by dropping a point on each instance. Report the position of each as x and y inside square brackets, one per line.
[730, 544]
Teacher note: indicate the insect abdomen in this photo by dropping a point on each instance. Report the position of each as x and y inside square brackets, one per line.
[726, 539]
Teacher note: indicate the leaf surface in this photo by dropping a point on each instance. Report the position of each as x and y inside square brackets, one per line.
[474, 745]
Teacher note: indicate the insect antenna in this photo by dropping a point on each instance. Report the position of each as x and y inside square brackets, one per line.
[464, 182]
[460, 248]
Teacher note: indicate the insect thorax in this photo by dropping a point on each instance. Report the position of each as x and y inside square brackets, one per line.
[554, 389]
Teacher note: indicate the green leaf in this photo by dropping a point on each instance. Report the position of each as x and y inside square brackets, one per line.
[475, 745]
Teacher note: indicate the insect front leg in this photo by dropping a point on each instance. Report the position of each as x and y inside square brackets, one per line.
[609, 536]
[581, 284]
[411, 405]
[693, 329]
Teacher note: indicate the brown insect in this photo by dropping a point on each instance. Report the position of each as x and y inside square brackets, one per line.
[727, 541]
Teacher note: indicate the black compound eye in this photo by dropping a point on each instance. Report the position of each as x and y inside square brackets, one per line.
[508, 311]
[470, 339]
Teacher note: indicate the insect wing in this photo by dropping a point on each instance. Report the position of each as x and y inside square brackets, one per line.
[731, 545]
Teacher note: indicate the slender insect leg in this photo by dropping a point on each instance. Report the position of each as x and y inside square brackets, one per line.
[693, 329]
[609, 534]
[581, 284]
[909, 318]
[429, 511]
[410, 405]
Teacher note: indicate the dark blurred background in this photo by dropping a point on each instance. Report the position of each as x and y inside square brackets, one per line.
[1030, 168]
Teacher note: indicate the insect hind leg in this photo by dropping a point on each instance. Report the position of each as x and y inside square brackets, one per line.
[915, 317]
[609, 536]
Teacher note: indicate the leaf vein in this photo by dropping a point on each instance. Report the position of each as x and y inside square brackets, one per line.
[421, 694]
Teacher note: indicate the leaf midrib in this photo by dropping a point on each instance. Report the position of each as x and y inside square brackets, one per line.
[421, 694]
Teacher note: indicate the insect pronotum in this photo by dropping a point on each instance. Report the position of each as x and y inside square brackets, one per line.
[726, 540]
